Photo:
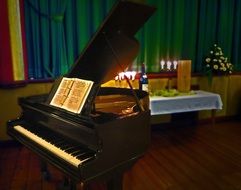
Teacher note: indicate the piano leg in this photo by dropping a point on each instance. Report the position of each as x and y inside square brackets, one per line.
[115, 183]
[44, 170]
[67, 184]
[72, 185]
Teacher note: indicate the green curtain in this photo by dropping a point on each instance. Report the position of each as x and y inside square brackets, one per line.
[236, 38]
[186, 29]
[58, 30]
[170, 34]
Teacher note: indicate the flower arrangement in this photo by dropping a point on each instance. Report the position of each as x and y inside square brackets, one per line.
[216, 63]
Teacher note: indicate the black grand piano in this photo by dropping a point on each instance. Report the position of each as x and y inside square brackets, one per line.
[113, 129]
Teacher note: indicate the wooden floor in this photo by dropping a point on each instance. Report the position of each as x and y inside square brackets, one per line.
[197, 158]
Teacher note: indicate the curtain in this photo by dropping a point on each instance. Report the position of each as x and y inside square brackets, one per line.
[57, 31]
[186, 29]
[170, 32]
[46, 41]
[13, 62]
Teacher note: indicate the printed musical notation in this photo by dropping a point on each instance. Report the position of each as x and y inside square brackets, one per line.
[72, 94]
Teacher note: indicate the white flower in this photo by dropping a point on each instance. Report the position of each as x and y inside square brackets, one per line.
[215, 67]
[208, 60]
[217, 61]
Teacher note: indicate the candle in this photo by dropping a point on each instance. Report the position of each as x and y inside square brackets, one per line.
[184, 75]
[174, 65]
[169, 63]
[162, 64]
[133, 75]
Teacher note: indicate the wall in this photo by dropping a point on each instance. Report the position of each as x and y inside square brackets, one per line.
[9, 102]
[229, 87]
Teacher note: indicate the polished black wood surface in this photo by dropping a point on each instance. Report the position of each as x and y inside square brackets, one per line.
[197, 158]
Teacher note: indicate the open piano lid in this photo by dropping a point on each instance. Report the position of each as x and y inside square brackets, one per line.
[113, 47]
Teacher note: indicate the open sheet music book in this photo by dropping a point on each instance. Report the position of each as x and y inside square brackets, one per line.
[72, 94]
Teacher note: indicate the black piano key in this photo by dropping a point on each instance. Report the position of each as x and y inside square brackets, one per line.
[71, 148]
[85, 155]
[65, 146]
[60, 143]
[55, 140]
[77, 152]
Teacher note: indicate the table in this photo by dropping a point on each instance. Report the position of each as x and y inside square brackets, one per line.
[200, 100]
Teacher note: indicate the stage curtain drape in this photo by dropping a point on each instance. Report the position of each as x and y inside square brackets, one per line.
[186, 29]
[13, 62]
[58, 30]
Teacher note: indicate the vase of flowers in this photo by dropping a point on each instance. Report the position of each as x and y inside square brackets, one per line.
[216, 63]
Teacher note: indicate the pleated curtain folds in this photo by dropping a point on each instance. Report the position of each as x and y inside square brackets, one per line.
[57, 31]
[187, 29]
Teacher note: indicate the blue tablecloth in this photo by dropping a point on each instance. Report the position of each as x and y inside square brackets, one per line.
[201, 100]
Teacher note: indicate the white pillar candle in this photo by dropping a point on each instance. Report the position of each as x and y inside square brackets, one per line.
[169, 63]
[174, 65]
[162, 64]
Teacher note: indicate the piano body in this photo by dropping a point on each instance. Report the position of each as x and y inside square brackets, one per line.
[113, 129]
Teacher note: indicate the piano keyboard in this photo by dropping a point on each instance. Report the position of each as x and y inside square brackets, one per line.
[72, 154]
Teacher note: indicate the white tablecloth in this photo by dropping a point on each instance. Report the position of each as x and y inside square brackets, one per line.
[201, 100]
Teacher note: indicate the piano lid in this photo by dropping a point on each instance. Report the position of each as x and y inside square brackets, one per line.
[113, 47]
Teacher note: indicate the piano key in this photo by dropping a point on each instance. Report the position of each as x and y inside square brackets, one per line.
[59, 143]
[56, 140]
[72, 149]
[62, 143]
[56, 150]
[83, 156]
[77, 152]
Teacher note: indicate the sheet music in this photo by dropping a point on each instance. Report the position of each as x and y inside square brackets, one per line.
[72, 94]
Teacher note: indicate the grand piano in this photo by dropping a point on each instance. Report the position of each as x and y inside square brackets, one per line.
[112, 131]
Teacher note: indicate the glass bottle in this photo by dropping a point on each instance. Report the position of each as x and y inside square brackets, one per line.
[143, 81]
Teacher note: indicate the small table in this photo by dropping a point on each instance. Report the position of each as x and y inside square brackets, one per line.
[200, 100]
